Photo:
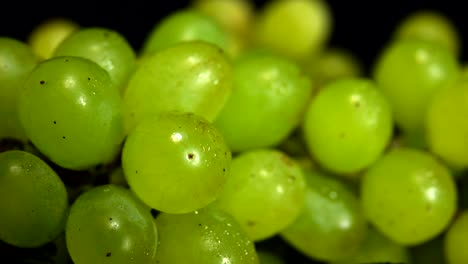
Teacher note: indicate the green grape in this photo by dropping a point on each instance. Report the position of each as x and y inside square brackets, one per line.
[234, 16]
[108, 224]
[268, 257]
[429, 252]
[264, 192]
[429, 25]
[189, 77]
[294, 28]
[106, 47]
[33, 200]
[47, 35]
[183, 26]
[71, 111]
[333, 64]
[176, 162]
[378, 248]
[455, 239]
[409, 196]
[446, 126]
[348, 125]
[268, 98]
[16, 61]
[207, 236]
[332, 225]
[409, 72]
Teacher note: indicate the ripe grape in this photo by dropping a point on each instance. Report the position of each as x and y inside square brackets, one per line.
[455, 240]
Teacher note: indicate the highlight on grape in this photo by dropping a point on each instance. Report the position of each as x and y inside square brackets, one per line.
[236, 134]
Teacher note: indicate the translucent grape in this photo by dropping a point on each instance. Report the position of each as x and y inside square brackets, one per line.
[264, 192]
[295, 28]
[183, 26]
[106, 47]
[176, 163]
[17, 60]
[189, 77]
[332, 225]
[348, 125]
[409, 196]
[455, 240]
[33, 200]
[207, 236]
[409, 73]
[108, 224]
[46, 36]
[71, 111]
[268, 98]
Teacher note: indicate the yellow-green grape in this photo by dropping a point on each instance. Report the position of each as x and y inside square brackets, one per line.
[409, 196]
[207, 236]
[430, 25]
[409, 73]
[333, 64]
[332, 225]
[189, 77]
[348, 125]
[17, 60]
[235, 16]
[447, 126]
[33, 200]
[176, 162]
[46, 36]
[264, 192]
[106, 47]
[378, 248]
[455, 240]
[293, 28]
[71, 111]
[268, 257]
[183, 26]
[268, 99]
[108, 224]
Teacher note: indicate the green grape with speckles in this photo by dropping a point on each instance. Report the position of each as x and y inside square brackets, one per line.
[455, 239]
[33, 200]
[208, 236]
[176, 162]
[106, 47]
[71, 111]
[189, 77]
[109, 224]
[409, 196]
[264, 192]
[183, 26]
[17, 60]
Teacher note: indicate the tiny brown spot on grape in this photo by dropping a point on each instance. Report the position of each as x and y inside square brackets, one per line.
[136, 172]
[33, 211]
[224, 169]
[429, 208]
[251, 223]
[132, 114]
[286, 160]
[108, 254]
[110, 219]
[55, 122]
[106, 34]
[357, 104]
[199, 224]
[291, 178]
[63, 137]
[42, 82]
[190, 156]
[342, 135]
[66, 60]
[89, 79]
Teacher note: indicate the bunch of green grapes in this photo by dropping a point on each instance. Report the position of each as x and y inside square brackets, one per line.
[236, 134]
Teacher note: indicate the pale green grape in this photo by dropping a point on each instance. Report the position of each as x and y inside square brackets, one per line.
[409, 196]
[294, 28]
[106, 47]
[429, 25]
[182, 26]
[409, 73]
[189, 77]
[348, 125]
[17, 60]
[264, 192]
[268, 98]
[176, 162]
[455, 240]
[108, 224]
[207, 236]
[447, 126]
[46, 36]
[332, 225]
[378, 248]
[71, 111]
[33, 200]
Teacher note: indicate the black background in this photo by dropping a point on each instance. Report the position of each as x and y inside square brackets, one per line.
[360, 26]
